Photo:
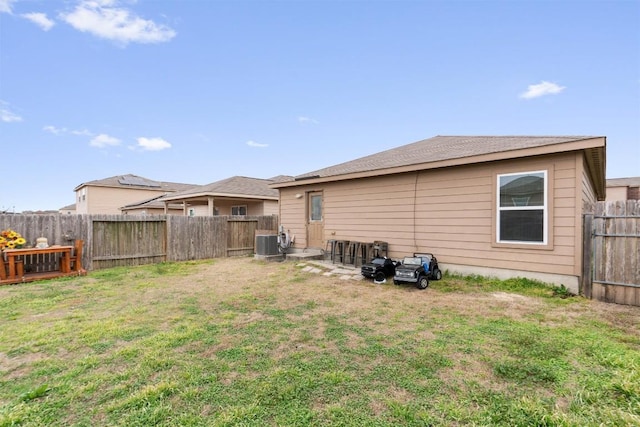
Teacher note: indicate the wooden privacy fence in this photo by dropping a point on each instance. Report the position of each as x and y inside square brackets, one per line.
[612, 252]
[121, 241]
[125, 240]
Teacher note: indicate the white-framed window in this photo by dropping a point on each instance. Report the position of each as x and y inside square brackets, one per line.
[522, 208]
[192, 211]
[240, 210]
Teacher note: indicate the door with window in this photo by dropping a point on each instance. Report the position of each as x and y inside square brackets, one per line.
[315, 221]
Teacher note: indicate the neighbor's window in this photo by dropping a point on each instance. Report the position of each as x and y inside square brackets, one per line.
[315, 202]
[522, 208]
[239, 210]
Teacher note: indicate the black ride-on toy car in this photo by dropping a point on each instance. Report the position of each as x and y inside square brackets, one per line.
[418, 269]
[379, 268]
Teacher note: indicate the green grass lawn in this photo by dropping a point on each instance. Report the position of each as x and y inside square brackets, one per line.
[238, 342]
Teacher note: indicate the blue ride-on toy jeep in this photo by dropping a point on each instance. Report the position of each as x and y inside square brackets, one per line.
[418, 270]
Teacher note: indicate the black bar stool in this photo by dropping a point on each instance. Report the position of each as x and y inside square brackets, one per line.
[367, 252]
[330, 250]
[341, 247]
[351, 252]
[362, 256]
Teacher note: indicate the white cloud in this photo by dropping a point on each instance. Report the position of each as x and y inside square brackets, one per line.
[54, 130]
[104, 140]
[5, 6]
[83, 132]
[541, 89]
[6, 115]
[40, 19]
[255, 144]
[59, 131]
[101, 18]
[303, 119]
[153, 144]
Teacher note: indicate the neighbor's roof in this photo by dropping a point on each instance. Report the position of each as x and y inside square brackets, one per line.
[281, 178]
[151, 203]
[135, 181]
[236, 186]
[624, 182]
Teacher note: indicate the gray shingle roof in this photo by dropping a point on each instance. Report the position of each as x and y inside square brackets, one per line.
[236, 185]
[440, 148]
[624, 182]
[135, 181]
[153, 202]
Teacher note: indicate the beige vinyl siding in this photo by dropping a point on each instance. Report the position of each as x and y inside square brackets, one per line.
[292, 214]
[198, 210]
[585, 198]
[108, 200]
[616, 193]
[453, 215]
[565, 213]
[588, 190]
[588, 194]
[224, 207]
[270, 207]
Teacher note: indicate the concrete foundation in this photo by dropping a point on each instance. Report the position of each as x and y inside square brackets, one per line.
[270, 258]
[309, 254]
[570, 282]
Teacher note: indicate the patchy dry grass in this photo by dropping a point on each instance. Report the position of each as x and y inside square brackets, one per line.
[241, 342]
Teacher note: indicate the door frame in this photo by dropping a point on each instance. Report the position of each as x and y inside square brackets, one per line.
[314, 227]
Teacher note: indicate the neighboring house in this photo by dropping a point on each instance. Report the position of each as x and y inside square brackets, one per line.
[503, 206]
[153, 206]
[623, 189]
[67, 210]
[107, 196]
[237, 195]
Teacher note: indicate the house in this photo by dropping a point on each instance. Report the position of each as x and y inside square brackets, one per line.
[501, 206]
[238, 195]
[108, 195]
[67, 210]
[153, 206]
[623, 189]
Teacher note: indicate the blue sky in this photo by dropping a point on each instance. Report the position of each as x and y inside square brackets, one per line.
[198, 91]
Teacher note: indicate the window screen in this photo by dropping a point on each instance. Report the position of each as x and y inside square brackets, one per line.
[522, 207]
[238, 210]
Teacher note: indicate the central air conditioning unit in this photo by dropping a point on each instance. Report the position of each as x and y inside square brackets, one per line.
[267, 244]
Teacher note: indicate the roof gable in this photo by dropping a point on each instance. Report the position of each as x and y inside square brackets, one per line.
[131, 181]
[238, 186]
[440, 148]
[448, 151]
